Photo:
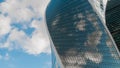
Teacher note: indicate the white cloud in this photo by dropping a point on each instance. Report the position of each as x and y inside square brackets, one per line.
[4, 25]
[17, 10]
[29, 13]
[36, 24]
[24, 10]
[38, 43]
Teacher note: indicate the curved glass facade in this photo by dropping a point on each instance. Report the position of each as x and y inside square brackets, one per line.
[113, 19]
[79, 36]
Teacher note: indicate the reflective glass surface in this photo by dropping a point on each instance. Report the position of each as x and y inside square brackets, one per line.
[55, 63]
[113, 19]
[79, 36]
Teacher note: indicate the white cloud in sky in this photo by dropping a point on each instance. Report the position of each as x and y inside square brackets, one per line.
[23, 10]
[4, 25]
[30, 13]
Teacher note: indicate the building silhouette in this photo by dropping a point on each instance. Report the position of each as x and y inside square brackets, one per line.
[79, 37]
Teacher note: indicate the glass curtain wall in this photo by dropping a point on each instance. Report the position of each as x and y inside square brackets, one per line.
[79, 37]
[113, 19]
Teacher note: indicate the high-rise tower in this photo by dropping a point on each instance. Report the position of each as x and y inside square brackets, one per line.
[113, 19]
[78, 37]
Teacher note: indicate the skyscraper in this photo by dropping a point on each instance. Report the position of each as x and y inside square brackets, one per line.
[79, 38]
[113, 19]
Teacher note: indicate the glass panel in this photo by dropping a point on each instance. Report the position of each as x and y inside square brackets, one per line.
[113, 19]
[79, 36]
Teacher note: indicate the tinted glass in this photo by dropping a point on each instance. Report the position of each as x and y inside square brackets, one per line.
[79, 36]
[113, 19]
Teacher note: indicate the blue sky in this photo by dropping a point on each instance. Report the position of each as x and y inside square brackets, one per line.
[24, 42]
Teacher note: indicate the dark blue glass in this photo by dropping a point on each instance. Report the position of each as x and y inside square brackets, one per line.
[113, 19]
[79, 36]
